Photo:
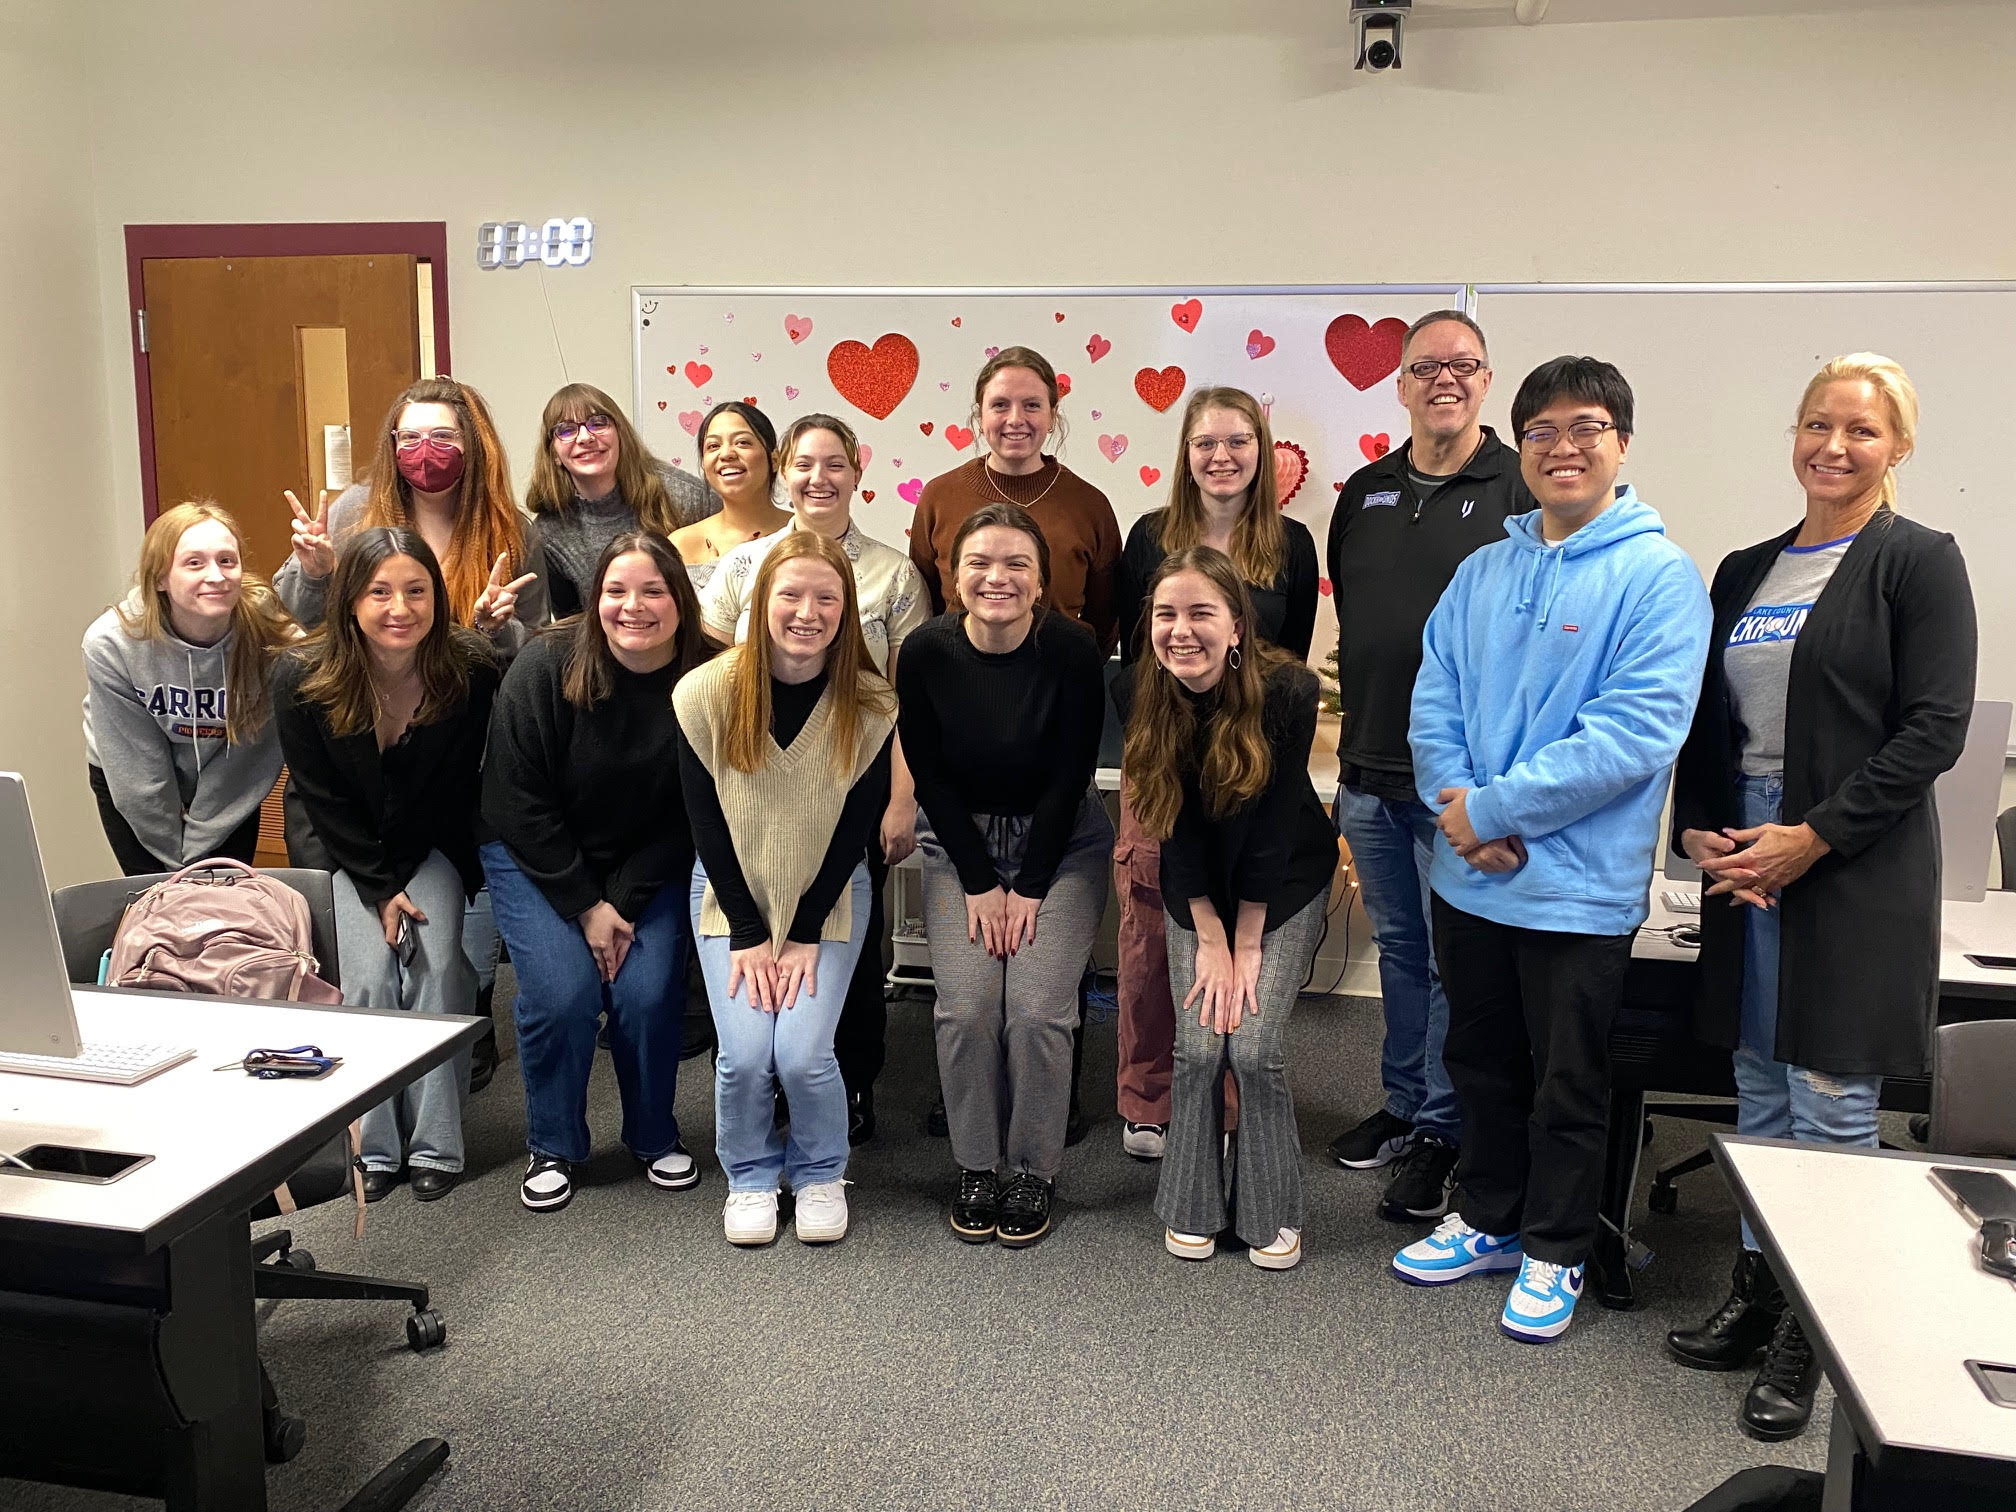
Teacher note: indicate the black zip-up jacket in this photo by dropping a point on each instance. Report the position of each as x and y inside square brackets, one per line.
[1391, 555]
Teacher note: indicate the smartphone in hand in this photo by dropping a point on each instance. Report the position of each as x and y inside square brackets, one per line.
[409, 940]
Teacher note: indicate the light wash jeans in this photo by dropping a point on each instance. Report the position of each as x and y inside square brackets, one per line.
[792, 1048]
[421, 1123]
[1391, 846]
[1774, 1099]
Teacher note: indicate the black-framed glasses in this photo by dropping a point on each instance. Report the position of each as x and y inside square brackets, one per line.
[1428, 368]
[596, 425]
[1586, 434]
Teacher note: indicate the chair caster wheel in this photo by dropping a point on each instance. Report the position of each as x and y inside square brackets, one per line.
[1664, 1200]
[425, 1330]
[284, 1436]
[298, 1259]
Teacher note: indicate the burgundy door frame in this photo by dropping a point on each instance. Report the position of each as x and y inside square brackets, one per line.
[424, 239]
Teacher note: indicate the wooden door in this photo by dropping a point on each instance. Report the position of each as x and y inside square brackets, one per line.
[234, 348]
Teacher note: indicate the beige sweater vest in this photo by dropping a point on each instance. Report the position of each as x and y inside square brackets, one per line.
[781, 816]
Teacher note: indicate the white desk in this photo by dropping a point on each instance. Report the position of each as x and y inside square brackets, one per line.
[129, 1359]
[1880, 1269]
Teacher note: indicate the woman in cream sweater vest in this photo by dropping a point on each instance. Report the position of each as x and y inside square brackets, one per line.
[784, 760]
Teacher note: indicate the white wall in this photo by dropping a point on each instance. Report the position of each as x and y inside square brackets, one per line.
[761, 144]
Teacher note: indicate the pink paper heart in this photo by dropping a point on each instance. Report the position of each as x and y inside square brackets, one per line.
[677, 460]
[755, 356]
[867, 452]
[797, 327]
[689, 421]
[703, 351]
[910, 492]
[944, 388]
[790, 392]
[1112, 447]
[1097, 347]
[729, 317]
[993, 352]
[1258, 343]
[1095, 414]
[895, 461]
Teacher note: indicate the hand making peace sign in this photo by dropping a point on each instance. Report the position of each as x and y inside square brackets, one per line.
[312, 547]
[497, 605]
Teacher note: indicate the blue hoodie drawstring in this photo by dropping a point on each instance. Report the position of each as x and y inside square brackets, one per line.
[1554, 588]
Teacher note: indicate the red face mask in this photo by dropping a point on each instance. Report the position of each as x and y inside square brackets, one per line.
[431, 467]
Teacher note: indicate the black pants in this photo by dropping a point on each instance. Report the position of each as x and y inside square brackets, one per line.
[1530, 1014]
[864, 1017]
[135, 860]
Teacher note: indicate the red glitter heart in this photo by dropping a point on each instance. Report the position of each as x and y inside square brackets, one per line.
[874, 379]
[868, 496]
[1160, 390]
[1059, 317]
[1364, 353]
[927, 426]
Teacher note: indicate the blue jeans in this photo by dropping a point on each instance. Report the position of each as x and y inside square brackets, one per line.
[792, 1048]
[1774, 1099]
[560, 996]
[1391, 846]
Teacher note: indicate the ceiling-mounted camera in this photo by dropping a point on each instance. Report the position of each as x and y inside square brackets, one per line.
[1380, 25]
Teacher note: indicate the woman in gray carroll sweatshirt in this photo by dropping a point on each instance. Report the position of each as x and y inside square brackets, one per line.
[178, 732]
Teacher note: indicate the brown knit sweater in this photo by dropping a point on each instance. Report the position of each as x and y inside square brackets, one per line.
[1076, 520]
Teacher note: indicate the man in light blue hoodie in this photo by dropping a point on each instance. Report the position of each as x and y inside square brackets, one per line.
[1558, 678]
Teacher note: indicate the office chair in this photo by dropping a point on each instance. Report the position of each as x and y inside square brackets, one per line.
[87, 918]
[1973, 1072]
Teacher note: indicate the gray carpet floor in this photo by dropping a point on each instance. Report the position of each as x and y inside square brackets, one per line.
[619, 1356]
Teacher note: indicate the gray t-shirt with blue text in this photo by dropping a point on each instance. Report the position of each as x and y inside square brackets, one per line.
[1757, 661]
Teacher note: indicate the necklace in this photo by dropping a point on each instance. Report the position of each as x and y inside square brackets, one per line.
[1007, 498]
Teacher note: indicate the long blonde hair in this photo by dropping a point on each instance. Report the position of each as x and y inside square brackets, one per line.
[852, 681]
[1258, 544]
[1162, 730]
[551, 490]
[1889, 380]
[260, 624]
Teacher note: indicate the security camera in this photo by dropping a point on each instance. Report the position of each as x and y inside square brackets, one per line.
[1380, 25]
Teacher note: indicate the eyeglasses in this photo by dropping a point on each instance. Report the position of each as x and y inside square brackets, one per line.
[595, 425]
[1586, 434]
[1205, 446]
[1427, 369]
[407, 440]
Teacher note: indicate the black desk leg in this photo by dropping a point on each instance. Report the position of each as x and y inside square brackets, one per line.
[210, 1365]
[1608, 1259]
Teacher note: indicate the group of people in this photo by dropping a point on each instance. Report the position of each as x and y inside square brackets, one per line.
[745, 710]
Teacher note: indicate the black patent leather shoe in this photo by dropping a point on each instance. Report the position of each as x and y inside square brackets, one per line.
[482, 1061]
[975, 1209]
[1024, 1217]
[860, 1117]
[377, 1184]
[1741, 1327]
[1780, 1401]
[430, 1185]
[935, 1123]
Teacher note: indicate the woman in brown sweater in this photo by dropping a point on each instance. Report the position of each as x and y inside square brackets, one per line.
[1014, 415]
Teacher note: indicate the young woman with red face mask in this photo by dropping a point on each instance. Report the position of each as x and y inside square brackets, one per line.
[440, 472]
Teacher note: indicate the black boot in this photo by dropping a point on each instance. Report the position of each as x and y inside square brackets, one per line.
[1740, 1327]
[1781, 1398]
[483, 1054]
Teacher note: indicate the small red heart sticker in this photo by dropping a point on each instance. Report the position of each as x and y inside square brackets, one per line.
[663, 405]
[1150, 476]
[1063, 384]
[960, 436]
[1323, 586]
[868, 497]
[955, 321]
[925, 426]
[1375, 447]
[750, 400]
[1059, 317]
[697, 373]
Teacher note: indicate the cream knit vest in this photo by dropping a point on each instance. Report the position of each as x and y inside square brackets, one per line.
[782, 815]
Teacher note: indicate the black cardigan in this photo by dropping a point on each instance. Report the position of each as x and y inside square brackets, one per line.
[1877, 706]
[1284, 610]
[343, 816]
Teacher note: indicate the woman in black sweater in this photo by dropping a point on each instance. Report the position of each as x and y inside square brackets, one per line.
[1222, 494]
[1001, 707]
[1839, 685]
[381, 720]
[588, 858]
[1219, 727]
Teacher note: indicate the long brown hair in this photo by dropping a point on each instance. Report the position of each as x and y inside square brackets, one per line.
[1162, 731]
[551, 490]
[260, 625]
[338, 656]
[487, 523]
[852, 682]
[590, 674]
[1258, 542]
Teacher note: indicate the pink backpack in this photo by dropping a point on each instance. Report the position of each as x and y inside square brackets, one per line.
[237, 935]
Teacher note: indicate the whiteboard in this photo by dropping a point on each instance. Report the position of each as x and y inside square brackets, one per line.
[898, 365]
[1718, 370]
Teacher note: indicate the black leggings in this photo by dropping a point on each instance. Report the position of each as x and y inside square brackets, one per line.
[135, 860]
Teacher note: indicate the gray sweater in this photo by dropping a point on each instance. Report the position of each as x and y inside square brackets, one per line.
[154, 723]
[577, 536]
[306, 598]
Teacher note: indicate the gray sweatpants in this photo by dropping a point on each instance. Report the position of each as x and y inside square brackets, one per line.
[1004, 1027]
[1266, 1166]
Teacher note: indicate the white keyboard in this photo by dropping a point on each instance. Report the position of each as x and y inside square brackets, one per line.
[1678, 900]
[101, 1062]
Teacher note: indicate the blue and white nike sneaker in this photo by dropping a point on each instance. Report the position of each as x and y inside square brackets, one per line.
[1542, 1303]
[1453, 1251]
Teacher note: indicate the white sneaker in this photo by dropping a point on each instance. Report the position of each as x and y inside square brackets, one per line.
[1285, 1253]
[1144, 1141]
[750, 1217]
[1189, 1246]
[675, 1170]
[821, 1212]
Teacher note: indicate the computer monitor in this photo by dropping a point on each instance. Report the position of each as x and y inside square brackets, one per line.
[1967, 795]
[37, 1016]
